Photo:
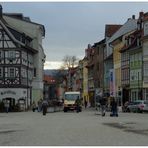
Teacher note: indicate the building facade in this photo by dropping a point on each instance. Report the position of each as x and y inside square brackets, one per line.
[21, 59]
[90, 66]
[144, 40]
[85, 80]
[117, 41]
[110, 29]
[50, 88]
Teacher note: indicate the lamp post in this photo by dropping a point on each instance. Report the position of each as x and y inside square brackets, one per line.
[138, 85]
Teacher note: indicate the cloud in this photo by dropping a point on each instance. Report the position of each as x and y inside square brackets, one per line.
[52, 65]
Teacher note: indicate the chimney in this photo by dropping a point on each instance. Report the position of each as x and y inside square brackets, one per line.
[133, 17]
[141, 14]
[1, 11]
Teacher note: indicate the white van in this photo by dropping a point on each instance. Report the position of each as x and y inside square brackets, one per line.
[69, 100]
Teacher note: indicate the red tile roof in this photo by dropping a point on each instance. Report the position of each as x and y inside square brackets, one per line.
[111, 29]
[49, 79]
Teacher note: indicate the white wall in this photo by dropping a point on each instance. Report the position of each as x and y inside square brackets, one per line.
[35, 32]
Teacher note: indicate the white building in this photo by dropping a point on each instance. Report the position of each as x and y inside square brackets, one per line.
[21, 59]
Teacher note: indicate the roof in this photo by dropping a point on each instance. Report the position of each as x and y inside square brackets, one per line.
[129, 26]
[99, 43]
[49, 79]
[110, 29]
[19, 16]
[13, 37]
[134, 35]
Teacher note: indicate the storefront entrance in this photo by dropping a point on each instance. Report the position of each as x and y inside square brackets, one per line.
[11, 103]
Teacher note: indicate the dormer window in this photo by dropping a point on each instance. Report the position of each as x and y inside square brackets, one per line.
[129, 41]
[126, 41]
[138, 42]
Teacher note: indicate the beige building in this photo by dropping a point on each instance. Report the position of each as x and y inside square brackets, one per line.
[85, 79]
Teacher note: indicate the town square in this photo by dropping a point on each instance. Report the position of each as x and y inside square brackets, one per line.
[87, 128]
[73, 74]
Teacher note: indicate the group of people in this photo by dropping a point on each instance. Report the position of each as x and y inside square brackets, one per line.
[113, 107]
[42, 106]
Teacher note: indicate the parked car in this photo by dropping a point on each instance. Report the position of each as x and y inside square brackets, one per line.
[138, 106]
[128, 107]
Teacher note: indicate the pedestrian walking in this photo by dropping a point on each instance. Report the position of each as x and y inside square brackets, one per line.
[6, 105]
[39, 105]
[78, 103]
[44, 106]
[33, 106]
[85, 103]
[103, 105]
[114, 109]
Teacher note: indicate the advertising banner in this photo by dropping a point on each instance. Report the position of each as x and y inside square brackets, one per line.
[112, 82]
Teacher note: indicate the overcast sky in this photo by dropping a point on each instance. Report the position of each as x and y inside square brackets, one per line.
[71, 26]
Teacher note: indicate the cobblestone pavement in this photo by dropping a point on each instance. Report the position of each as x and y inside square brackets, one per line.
[87, 128]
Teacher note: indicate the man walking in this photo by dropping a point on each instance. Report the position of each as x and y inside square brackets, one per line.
[114, 108]
[103, 106]
[44, 106]
[78, 103]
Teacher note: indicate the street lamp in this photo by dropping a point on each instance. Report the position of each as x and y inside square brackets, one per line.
[138, 87]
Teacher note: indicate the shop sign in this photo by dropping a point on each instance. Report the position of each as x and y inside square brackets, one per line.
[8, 92]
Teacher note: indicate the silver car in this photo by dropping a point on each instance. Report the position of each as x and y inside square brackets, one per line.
[139, 106]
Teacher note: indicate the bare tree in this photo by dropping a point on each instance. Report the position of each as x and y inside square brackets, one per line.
[69, 62]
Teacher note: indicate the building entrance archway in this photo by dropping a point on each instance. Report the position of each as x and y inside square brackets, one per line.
[11, 103]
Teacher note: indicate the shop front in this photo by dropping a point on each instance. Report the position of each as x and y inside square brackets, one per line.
[15, 97]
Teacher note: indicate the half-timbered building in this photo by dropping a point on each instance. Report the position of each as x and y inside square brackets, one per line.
[21, 59]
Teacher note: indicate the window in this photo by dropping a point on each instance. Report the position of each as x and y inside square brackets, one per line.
[129, 41]
[132, 77]
[30, 75]
[145, 68]
[11, 72]
[146, 28]
[126, 42]
[146, 94]
[1, 72]
[1, 54]
[34, 72]
[138, 42]
[11, 54]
